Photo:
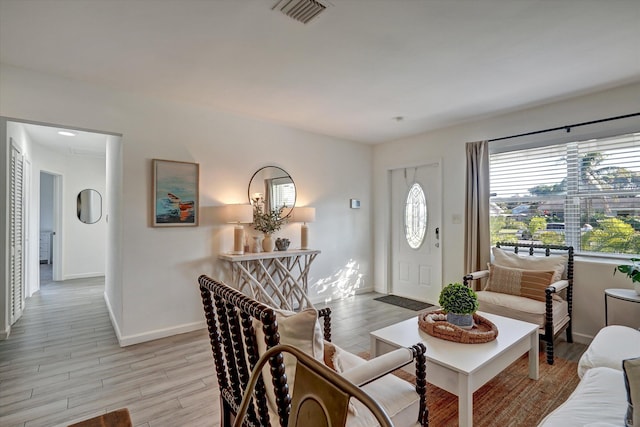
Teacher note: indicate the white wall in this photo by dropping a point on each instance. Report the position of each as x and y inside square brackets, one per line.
[160, 266]
[449, 144]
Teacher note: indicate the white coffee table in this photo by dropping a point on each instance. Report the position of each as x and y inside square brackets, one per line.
[462, 369]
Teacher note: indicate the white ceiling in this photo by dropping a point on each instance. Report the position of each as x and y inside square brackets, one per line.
[348, 72]
[81, 144]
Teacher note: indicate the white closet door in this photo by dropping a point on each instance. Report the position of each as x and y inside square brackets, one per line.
[16, 235]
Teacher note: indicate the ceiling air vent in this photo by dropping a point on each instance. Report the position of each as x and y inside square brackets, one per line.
[300, 10]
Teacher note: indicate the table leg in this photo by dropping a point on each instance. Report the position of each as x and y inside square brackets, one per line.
[465, 401]
[606, 312]
[534, 364]
[374, 347]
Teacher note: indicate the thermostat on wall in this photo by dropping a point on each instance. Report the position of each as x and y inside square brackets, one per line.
[355, 203]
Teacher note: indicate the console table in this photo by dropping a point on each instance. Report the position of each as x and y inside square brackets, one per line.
[278, 278]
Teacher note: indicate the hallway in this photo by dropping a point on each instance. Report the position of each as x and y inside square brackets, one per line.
[62, 363]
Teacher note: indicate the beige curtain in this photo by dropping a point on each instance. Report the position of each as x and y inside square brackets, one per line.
[478, 239]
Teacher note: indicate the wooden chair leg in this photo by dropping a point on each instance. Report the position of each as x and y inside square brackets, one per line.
[569, 334]
[549, 350]
[227, 415]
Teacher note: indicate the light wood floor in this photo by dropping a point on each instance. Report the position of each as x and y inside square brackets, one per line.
[62, 362]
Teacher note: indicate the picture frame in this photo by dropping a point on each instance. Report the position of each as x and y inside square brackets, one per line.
[175, 193]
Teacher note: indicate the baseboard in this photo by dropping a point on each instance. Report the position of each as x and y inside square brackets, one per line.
[579, 338]
[114, 323]
[125, 341]
[160, 333]
[82, 276]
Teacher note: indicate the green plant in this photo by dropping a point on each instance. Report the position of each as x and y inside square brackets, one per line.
[459, 299]
[267, 222]
[632, 271]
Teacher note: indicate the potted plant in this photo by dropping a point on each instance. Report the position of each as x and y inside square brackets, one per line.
[459, 303]
[632, 271]
[267, 222]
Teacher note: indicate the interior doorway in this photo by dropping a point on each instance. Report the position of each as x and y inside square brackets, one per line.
[416, 233]
[47, 253]
[45, 148]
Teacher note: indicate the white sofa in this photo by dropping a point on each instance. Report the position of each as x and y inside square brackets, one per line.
[600, 399]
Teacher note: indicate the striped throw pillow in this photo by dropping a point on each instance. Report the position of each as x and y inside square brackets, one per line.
[516, 281]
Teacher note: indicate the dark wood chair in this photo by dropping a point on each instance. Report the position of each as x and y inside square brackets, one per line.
[552, 321]
[232, 319]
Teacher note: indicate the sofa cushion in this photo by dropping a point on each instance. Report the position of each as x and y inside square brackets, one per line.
[609, 347]
[525, 309]
[631, 369]
[516, 281]
[557, 263]
[599, 397]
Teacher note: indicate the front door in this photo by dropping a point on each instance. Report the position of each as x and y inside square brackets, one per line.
[416, 236]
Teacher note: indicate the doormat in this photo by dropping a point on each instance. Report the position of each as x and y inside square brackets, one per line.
[404, 302]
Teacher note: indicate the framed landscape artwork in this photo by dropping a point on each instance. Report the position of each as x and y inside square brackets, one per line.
[175, 193]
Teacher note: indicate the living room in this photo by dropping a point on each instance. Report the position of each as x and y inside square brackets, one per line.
[150, 273]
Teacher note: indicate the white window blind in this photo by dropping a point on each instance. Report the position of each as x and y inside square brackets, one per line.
[584, 193]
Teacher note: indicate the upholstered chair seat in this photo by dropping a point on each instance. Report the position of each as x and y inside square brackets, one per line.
[525, 309]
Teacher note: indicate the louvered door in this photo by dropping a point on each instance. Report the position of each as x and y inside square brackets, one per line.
[16, 235]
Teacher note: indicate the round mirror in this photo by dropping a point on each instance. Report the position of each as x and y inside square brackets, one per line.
[274, 187]
[89, 205]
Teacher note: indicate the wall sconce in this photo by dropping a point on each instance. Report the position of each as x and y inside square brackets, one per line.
[239, 214]
[304, 215]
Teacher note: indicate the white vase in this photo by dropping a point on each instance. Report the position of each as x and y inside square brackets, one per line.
[636, 286]
[256, 245]
[268, 243]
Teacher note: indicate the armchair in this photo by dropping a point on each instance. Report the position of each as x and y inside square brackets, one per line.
[321, 395]
[533, 288]
[241, 329]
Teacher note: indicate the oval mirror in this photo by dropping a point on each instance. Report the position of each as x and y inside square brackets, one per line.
[89, 206]
[275, 188]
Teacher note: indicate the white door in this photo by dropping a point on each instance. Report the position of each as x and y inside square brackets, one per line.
[16, 235]
[416, 237]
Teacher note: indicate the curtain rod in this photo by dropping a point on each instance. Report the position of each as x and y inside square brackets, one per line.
[566, 127]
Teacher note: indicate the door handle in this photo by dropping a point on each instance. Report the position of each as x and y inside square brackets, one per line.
[437, 237]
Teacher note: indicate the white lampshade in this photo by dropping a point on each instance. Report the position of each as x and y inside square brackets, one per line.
[304, 214]
[239, 214]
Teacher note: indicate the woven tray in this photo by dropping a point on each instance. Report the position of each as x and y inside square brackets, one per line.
[483, 330]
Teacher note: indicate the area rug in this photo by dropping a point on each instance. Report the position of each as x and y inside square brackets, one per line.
[510, 399]
[404, 302]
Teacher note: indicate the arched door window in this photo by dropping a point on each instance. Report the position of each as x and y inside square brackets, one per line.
[415, 216]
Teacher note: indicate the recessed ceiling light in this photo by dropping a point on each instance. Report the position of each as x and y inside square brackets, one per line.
[398, 118]
[66, 133]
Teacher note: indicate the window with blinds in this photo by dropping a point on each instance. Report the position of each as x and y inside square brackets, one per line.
[283, 192]
[585, 194]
